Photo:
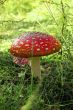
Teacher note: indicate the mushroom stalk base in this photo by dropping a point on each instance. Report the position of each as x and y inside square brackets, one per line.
[35, 67]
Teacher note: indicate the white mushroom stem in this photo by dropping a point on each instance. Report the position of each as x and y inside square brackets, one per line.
[35, 67]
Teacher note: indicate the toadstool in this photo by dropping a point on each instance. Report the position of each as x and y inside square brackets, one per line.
[33, 45]
[20, 61]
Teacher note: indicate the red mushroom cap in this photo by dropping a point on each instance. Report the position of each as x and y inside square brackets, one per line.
[20, 61]
[34, 44]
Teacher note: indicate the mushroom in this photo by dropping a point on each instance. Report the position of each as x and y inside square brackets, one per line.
[20, 61]
[33, 45]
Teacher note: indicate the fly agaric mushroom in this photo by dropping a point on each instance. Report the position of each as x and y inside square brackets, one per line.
[33, 45]
[20, 61]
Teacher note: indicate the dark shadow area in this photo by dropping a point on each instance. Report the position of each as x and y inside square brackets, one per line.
[56, 91]
[13, 88]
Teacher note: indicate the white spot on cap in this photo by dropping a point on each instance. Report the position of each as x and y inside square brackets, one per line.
[21, 42]
[26, 44]
[40, 39]
[16, 41]
[56, 43]
[41, 42]
[45, 44]
[27, 40]
[35, 42]
[36, 45]
[33, 37]
[16, 51]
[17, 46]
[23, 49]
[53, 48]
[46, 49]
[42, 45]
[38, 49]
